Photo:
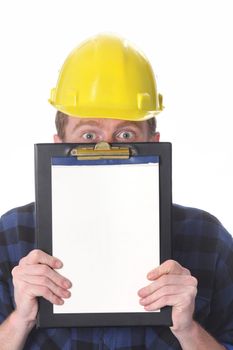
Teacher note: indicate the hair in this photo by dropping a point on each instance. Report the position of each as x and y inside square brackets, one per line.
[152, 123]
[61, 121]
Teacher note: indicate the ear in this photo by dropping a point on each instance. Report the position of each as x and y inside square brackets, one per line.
[155, 137]
[56, 139]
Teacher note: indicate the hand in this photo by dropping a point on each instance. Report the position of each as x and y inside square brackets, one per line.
[174, 286]
[36, 276]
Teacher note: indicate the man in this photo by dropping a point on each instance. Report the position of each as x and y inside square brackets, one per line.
[106, 91]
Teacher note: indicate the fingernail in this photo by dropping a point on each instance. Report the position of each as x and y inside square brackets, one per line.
[67, 294]
[58, 264]
[139, 292]
[151, 274]
[67, 284]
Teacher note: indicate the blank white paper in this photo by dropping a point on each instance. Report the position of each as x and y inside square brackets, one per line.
[105, 222]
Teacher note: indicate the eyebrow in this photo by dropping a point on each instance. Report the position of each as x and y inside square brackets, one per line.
[129, 123]
[88, 122]
[85, 122]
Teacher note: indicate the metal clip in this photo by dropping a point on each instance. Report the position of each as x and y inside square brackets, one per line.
[101, 150]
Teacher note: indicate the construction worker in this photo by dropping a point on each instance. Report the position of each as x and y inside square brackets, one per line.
[106, 91]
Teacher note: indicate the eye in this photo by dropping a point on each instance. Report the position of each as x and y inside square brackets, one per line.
[89, 136]
[125, 135]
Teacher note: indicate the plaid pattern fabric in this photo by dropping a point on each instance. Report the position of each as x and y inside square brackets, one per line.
[200, 243]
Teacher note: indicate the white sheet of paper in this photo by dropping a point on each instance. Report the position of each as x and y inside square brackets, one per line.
[105, 221]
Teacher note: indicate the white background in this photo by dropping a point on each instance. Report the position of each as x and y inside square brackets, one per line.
[189, 44]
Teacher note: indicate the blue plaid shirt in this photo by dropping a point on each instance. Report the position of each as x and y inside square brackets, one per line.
[200, 243]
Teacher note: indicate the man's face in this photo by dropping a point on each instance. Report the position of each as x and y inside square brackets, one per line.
[83, 130]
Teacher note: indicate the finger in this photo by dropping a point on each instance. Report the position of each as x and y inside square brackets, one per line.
[37, 256]
[26, 273]
[46, 293]
[166, 291]
[44, 281]
[166, 280]
[168, 300]
[168, 267]
[181, 301]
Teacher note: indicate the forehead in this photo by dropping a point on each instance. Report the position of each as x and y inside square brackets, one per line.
[103, 123]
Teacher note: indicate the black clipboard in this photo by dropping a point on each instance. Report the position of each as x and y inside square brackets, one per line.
[72, 162]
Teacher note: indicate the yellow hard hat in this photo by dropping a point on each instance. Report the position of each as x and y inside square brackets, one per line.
[106, 77]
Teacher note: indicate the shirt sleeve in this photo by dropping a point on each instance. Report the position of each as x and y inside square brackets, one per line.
[220, 319]
[17, 239]
[6, 301]
[227, 346]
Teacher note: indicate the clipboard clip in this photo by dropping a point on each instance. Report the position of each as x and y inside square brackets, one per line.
[102, 150]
